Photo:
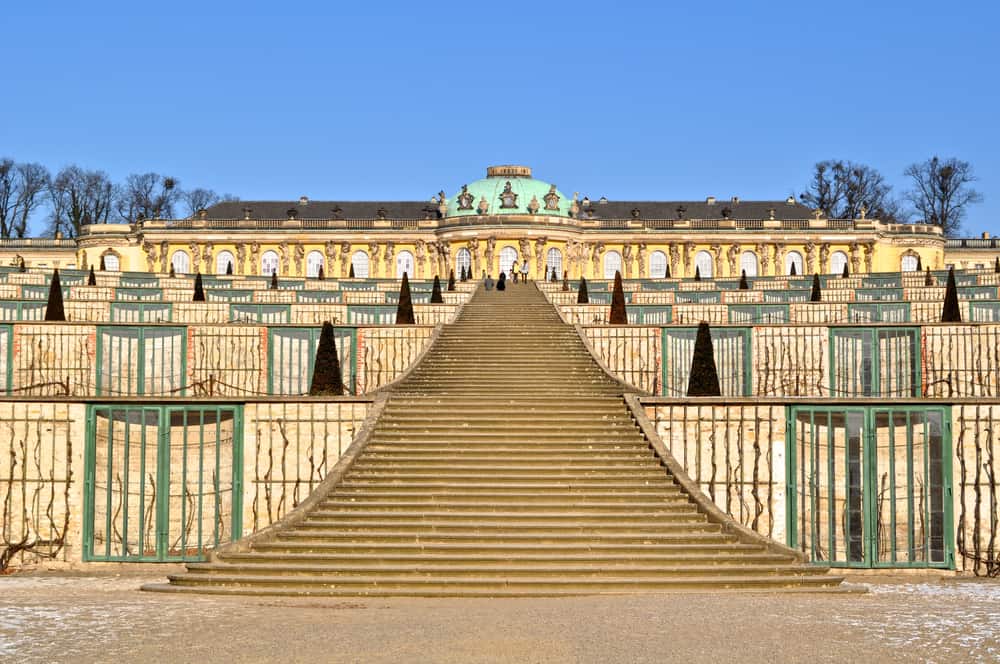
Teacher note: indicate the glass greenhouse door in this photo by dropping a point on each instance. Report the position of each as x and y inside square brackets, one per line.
[870, 487]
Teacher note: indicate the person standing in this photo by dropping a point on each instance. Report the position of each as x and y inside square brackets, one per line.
[524, 272]
[513, 271]
[488, 281]
[502, 281]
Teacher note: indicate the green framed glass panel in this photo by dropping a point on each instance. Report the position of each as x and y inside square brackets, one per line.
[39, 292]
[19, 310]
[878, 294]
[270, 314]
[886, 281]
[138, 281]
[348, 285]
[867, 362]
[291, 284]
[650, 314]
[141, 361]
[731, 346]
[870, 486]
[656, 285]
[759, 314]
[977, 293]
[415, 297]
[291, 356]
[141, 312]
[139, 294]
[984, 312]
[6, 356]
[697, 297]
[161, 483]
[371, 314]
[879, 312]
[314, 296]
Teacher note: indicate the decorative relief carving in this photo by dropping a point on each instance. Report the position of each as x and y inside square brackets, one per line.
[732, 257]
[206, 257]
[465, 199]
[164, 256]
[345, 259]
[824, 257]
[675, 259]
[150, 256]
[540, 267]
[810, 257]
[627, 260]
[855, 258]
[551, 199]
[508, 199]
[241, 258]
[300, 254]
[641, 254]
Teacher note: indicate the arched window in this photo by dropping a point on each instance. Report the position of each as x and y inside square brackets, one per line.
[181, 262]
[404, 264]
[553, 261]
[463, 261]
[703, 263]
[314, 261]
[657, 265]
[838, 260]
[793, 258]
[748, 263]
[507, 257]
[909, 263]
[360, 263]
[612, 264]
[222, 262]
[111, 263]
[269, 263]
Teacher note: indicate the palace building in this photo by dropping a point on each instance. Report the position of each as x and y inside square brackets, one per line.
[492, 222]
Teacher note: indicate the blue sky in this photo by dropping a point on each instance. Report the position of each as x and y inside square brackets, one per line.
[397, 101]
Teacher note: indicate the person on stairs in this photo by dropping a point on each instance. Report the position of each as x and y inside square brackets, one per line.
[513, 271]
[488, 281]
[502, 281]
[524, 272]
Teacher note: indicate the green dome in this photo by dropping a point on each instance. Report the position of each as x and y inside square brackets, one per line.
[509, 190]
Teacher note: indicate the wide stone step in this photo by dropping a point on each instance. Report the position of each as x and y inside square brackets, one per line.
[488, 459]
[492, 494]
[508, 474]
[688, 536]
[527, 449]
[509, 525]
[391, 463]
[710, 546]
[468, 513]
[636, 559]
[464, 505]
[489, 482]
[473, 435]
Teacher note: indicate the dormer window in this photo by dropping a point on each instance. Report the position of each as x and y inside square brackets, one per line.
[508, 199]
[338, 212]
[381, 213]
[552, 199]
[465, 199]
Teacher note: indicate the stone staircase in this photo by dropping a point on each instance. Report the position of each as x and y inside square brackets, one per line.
[505, 464]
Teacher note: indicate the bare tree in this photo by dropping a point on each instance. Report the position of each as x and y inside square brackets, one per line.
[78, 198]
[147, 196]
[942, 191]
[842, 189]
[199, 199]
[22, 191]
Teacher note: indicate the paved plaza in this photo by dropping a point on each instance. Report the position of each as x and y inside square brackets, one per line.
[49, 617]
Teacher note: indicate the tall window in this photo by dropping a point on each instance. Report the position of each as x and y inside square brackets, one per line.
[657, 265]
[181, 262]
[223, 261]
[314, 261]
[793, 258]
[507, 257]
[703, 262]
[269, 263]
[360, 262]
[404, 264]
[553, 261]
[909, 264]
[111, 263]
[463, 261]
[748, 263]
[612, 264]
[838, 260]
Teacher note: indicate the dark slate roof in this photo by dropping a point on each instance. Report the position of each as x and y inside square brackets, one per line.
[427, 209]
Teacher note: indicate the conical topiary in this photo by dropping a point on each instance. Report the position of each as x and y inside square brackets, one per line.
[102, 267]
[451, 280]
[320, 274]
[920, 264]
[327, 379]
[54, 308]
[928, 278]
[274, 280]
[436, 297]
[565, 286]
[91, 278]
[817, 294]
[553, 279]
[404, 310]
[666, 271]
[846, 273]
[619, 315]
[581, 294]
[173, 272]
[744, 285]
[697, 273]
[229, 269]
[350, 273]
[791, 270]
[996, 265]
[199, 290]
[704, 378]
[951, 313]
[21, 265]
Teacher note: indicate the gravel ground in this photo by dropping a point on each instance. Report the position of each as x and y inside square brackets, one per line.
[50, 617]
